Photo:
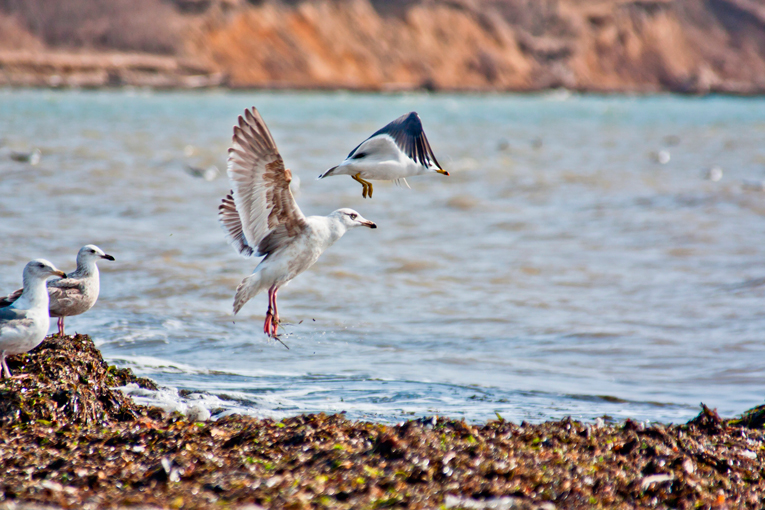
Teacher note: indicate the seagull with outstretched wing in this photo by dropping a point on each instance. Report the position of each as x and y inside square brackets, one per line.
[262, 218]
[393, 153]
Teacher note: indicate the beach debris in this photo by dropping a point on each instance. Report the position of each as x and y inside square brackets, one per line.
[80, 440]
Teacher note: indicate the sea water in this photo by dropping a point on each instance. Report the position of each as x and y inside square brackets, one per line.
[587, 256]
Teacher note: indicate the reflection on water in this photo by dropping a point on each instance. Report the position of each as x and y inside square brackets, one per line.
[577, 262]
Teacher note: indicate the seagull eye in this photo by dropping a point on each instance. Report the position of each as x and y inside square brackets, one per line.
[353, 216]
[358, 155]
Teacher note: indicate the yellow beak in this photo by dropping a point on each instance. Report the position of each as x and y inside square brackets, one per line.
[442, 171]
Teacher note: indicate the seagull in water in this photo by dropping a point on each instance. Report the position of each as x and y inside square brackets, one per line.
[25, 322]
[263, 219]
[77, 292]
[393, 153]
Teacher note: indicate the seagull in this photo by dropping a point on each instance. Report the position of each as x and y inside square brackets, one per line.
[33, 158]
[25, 322]
[262, 218]
[395, 152]
[208, 174]
[77, 292]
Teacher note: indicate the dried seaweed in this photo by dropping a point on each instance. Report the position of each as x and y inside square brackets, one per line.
[321, 461]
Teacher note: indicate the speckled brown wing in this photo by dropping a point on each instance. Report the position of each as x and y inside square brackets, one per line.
[260, 210]
[10, 298]
[66, 297]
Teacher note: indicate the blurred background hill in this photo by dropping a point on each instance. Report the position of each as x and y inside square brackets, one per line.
[693, 46]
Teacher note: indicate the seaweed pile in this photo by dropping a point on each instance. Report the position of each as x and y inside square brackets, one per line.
[137, 456]
[66, 381]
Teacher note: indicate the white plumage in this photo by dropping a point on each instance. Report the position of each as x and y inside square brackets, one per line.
[262, 218]
[75, 294]
[393, 153]
[24, 323]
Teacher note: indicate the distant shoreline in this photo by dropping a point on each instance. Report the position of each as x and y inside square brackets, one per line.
[111, 70]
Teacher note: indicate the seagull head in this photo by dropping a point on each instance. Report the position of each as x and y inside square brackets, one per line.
[91, 252]
[41, 269]
[350, 219]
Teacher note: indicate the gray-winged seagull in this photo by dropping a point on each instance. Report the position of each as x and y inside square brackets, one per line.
[24, 323]
[77, 292]
[263, 219]
[395, 152]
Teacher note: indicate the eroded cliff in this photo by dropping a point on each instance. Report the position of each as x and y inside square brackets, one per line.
[604, 45]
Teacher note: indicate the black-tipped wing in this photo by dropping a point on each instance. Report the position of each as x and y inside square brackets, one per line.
[261, 204]
[408, 134]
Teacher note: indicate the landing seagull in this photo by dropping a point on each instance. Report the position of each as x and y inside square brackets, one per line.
[395, 152]
[76, 293]
[24, 323]
[263, 219]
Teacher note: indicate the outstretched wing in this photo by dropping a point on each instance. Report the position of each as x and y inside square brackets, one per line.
[260, 214]
[10, 298]
[410, 137]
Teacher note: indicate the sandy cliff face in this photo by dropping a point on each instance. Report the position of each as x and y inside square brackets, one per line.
[331, 44]
[643, 45]
[609, 45]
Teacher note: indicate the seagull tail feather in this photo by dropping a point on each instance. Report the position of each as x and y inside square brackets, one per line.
[249, 288]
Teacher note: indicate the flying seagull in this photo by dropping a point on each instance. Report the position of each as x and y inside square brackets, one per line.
[77, 292]
[395, 152]
[25, 322]
[262, 218]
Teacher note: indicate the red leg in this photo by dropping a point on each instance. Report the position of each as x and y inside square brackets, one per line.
[61, 326]
[276, 312]
[269, 328]
[267, 324]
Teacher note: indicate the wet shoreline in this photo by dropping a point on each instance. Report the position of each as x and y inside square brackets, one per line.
[68, 438]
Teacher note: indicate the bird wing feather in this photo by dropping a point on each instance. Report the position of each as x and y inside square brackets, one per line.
[260, 214]
[409, 135]
[64, 292]
[11, 316]
[10, 298]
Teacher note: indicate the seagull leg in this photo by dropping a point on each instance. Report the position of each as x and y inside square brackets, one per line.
[5, 372]
[272, 317]
[276, 320]
[267, 324]
[367, 186]
[61, 326]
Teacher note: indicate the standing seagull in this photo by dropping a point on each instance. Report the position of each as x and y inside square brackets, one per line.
[24, 323]
[77, 292]
[262, 217]
[397, 151]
